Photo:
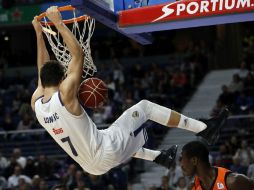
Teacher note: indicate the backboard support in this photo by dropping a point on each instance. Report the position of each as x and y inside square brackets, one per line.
[137, 19]
[107, 17]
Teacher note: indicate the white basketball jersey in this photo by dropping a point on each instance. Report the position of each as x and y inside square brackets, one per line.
[77, 135]
[96, 151]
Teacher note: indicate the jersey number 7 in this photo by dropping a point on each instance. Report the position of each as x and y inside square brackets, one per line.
[68, 140]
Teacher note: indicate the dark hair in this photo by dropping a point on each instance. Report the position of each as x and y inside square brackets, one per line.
[52, 72]
[196, 149]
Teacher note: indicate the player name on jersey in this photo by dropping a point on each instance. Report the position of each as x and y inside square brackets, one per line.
[51, 118]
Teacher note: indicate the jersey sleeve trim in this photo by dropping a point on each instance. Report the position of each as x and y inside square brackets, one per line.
[39, 97]
[59, 96]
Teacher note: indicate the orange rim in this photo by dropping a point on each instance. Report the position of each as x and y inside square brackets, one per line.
[61, 9]
[84, 17]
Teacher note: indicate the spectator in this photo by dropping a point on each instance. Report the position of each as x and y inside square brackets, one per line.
[236, 84]
[179, 82]
[23, 185]
[10, 168]
[17, 153]
[69, 178]
[249, 84]
[3, 163]
[80, 181]
[181, 184]
[98, 116]
[29, 169]
[174, 173]
[96, 182]
[224, 159]
[43, 167]
[217, 108]
[118, 178]
[244, 103]
[81, 186]
[243, 71]
[24, 124]
[13, 180]
[226, 97]
[3, 183]
[245, 154]
[36, 182]
[118, 75]
[43, 185]
[165, 184]
[237, 168]
[234, 145]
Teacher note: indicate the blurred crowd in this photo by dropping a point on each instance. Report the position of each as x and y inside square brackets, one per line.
[41, 173]
[238, 95]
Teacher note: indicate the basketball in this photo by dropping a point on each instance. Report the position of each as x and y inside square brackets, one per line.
[93, 92]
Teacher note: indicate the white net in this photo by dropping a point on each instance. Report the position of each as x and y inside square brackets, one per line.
[83, 31]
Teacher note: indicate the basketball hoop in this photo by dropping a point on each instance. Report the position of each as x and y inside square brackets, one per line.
[83, 35]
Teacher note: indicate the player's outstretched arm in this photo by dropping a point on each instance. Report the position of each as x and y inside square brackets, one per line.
[71, 84]
[239, 181]
[42, 58]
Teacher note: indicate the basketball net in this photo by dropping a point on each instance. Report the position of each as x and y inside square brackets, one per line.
[83, 34]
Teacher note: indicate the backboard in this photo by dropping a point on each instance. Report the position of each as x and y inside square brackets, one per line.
[137, 19]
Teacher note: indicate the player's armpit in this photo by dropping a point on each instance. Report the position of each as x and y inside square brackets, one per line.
[239, 181]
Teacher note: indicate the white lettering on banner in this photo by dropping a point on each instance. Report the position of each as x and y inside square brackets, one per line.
[196, 6]
[243, 2]
[227, 6]
[180, 8]
[214, 2]
[204, 6]
[167, 11]
[221, 5]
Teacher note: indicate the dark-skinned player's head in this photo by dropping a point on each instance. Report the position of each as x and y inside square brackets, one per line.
[194, 154]
[52, 73]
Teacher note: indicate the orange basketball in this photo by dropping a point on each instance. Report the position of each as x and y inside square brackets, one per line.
[93, 92]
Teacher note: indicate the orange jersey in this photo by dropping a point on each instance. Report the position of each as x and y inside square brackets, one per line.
[219, 183]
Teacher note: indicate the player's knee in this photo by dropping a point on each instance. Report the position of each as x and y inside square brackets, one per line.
[143, 104]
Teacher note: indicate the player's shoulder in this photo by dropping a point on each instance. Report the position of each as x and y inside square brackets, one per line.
[238, 181]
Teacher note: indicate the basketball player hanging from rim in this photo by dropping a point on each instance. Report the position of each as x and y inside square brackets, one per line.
[58, 110]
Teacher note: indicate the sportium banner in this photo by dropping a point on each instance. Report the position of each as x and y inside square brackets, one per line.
[185, 9]
[18, 15]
